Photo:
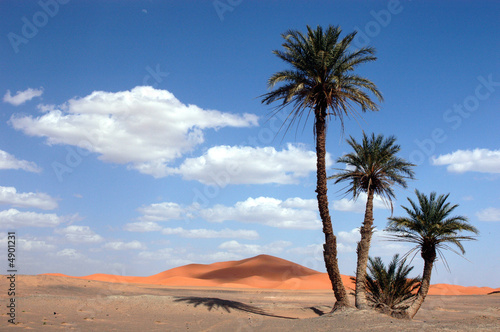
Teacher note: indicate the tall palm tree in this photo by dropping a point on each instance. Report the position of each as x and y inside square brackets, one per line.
[429, 226]
[373, 168]
[321, 81]
[390, 286]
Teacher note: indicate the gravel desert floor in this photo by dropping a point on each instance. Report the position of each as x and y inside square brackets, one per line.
[60, 303]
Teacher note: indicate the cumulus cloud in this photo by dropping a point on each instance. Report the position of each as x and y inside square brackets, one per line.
[296, 213]
[177, 257]
[70, 254]
[119, 245]
[223, 165]
[211, 234]
[8, 161]
[172, 257]
[21, 96]
[353, 236]
[254, 249]
[293, 212]
[28, 244]
[167, 210]
[79, 234]
[477, 160]
[309, 250]
[13, 218]
[489, 214]
[143, 226]
[10, 196]
[161, 212]
[145, 128]
[35, 245]
[382, 245]
[347, 242]
[359, 205]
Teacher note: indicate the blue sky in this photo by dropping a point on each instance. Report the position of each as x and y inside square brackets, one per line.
[133, 140]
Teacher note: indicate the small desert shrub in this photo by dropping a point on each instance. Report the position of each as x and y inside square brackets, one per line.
[390, 287]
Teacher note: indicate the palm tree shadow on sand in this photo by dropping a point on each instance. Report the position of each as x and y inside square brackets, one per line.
[317, 311]
[211, 302]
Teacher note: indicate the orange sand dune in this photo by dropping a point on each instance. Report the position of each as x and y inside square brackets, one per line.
[445, 289]
[262, 271]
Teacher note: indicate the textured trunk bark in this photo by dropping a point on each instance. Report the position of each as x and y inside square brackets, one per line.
[363, 249]
[330, 246]
[429, 257]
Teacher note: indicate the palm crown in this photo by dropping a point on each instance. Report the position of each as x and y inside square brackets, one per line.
[321, 77]
[374, 165]
[430, 226]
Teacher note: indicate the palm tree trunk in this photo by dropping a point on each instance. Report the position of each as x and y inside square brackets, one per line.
[363, 251]
[411, 311]
[330, 246]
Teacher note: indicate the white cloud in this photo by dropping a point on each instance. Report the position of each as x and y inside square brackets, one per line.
[27, 244]
[223, 165]
[119, 245]
[161, 254]
[477, 160]
[359, 205]
[383, 245]
[171, 211]
[380, 245]
[255, 249]
[178, 257]
[70, 253]
[161, 212]
[219, 256]
[489, 214]
[309, 250]
[8, 161]
[9, 195]
[35, 245]
[13, 218]
[353, 236]
[79, 234]
[22, 96]
[211, 234]
[143, 226]
[294, 213]
[144, 127]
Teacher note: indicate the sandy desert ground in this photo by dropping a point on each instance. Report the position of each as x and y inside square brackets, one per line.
[54, 302]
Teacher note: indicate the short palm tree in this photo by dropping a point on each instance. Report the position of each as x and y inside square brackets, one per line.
[429, 226]
[373, 168]
[390, 286]
[321, 82]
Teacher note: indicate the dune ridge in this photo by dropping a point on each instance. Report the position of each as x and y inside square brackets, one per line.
[262, 271]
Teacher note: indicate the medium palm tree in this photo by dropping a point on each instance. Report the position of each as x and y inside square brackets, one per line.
[373, 168]
[321, 82]
[390, 286]
[429, 226]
